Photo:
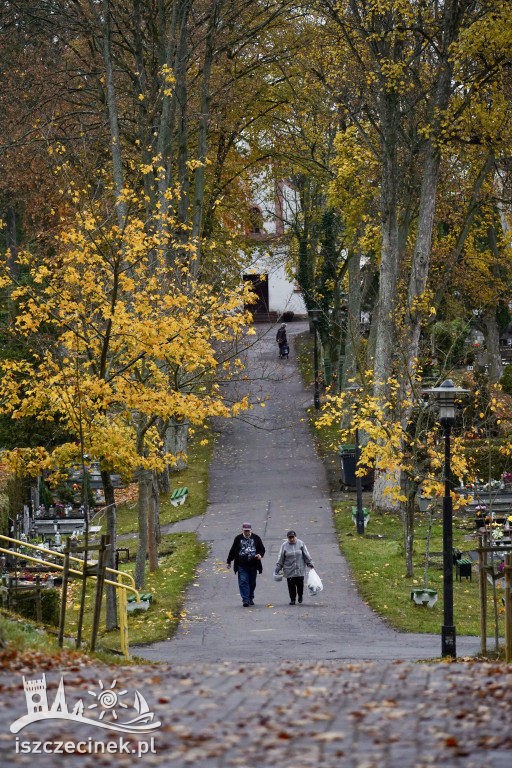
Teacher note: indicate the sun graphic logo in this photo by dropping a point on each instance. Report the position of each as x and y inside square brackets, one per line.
[108, 701]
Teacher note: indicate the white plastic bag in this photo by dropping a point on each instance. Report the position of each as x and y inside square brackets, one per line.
[314, 583]
[278, 575]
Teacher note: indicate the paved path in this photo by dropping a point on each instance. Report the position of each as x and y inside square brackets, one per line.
[265, 470]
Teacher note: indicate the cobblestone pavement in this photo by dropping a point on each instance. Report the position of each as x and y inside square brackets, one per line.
[361, 715]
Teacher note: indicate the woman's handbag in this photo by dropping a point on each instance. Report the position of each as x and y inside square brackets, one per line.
[314, 583]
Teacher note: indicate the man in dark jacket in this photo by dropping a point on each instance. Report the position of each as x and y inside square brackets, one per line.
[282, 340]
[246, 552]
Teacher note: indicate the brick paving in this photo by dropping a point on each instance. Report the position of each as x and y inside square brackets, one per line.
[359, 715]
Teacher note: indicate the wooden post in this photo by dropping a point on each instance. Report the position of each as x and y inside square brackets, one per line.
[84, 578]
[495, 605]
[39, 610]
[482, 576]
[508, 608]
[64, 594]
[5, 592]
[10, 593]
[100, 579]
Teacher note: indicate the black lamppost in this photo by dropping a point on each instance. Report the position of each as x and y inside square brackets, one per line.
[359, 485]
[446, 395]
[314, 315]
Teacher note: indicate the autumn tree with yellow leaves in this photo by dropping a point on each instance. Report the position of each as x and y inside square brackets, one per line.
[408, 447]
[120, 342]
[416, 74]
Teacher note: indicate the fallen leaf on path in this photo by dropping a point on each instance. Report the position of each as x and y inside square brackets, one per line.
[330, 736]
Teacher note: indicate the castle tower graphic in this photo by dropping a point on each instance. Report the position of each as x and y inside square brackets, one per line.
[35, 694]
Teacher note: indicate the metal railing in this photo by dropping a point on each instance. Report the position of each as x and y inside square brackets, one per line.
[119, 585]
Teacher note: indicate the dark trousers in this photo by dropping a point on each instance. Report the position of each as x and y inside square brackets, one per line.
[246, 583]
[295, 587]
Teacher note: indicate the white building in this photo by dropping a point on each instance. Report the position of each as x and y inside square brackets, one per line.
[277, 293]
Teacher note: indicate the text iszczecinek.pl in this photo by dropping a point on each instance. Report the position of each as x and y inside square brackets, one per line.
[86, 747]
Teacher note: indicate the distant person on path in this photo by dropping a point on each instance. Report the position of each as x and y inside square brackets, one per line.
[282, 340]
[246, 551]
[292, 561]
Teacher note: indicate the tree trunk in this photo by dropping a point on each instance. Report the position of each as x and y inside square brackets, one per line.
[420, 263]
[492, 344]
[167, 117]
[142, 547]
[385, 341]
[176, 441]
[164, 481]
[385, 331]
[181, 90]
[141, 87]
[336, 339]
[502, 210]
[407, 512]
[422, 246]
[11, 236]
[202, 134]
[353, 330]
[154, 535]
[115, 137]
[491, 328]
[110, 592]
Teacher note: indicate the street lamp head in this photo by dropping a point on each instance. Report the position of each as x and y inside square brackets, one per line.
[446, 395]
[314, 314]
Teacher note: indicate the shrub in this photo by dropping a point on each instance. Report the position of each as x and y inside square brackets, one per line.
[50, 606]
[506, 380]
[45, 496]
[450, 338]
[65, 493]
[4, 514]
[485, 453]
